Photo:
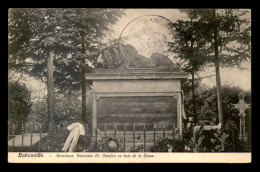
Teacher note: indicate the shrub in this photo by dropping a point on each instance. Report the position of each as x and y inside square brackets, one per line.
[213, 140]
[103, 144]
[206, 103]
[163, 145]
[233, 143]
[67, 110]
[19, 105]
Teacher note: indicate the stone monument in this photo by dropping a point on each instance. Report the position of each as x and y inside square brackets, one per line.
[146, 93]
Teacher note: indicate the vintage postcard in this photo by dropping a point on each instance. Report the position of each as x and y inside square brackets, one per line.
[97, 85]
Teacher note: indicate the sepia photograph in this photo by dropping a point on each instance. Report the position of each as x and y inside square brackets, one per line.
[144, 85]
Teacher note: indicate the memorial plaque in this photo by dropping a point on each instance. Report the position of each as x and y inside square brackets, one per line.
[136, 110]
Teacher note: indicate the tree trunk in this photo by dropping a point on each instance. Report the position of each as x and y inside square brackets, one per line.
[84, 89]
[218, 83]
[193, 96]
[192, 79]
[83, 83]
[50, 90]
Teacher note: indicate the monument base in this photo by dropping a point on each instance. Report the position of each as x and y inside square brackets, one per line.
[136, 98]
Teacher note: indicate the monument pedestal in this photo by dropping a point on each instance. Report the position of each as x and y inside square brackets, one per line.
[136, 97]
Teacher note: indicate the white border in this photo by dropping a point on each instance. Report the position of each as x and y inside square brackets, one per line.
[139, 157]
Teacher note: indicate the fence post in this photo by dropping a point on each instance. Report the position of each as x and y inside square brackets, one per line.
[124, 137]
[173, 131]
[96, 137]
[154, 132]
[49, 135]
[134, 137]
[163, 130]
[242, 135]
[144, 138]
[115, 131]
[105, 130]
[233, 142]
[40, 130]
[22, 135]
[13, 132]
[31, 137]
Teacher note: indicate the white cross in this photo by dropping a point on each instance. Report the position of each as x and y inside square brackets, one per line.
[241, 106]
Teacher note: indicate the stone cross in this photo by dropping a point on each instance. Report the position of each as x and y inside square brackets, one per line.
[241, 106]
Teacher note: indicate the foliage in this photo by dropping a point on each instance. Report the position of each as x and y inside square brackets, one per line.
[67, 106]
[233, 143]
[233, 33]
[19, 105]
[18, 39]
[196, 40]
[103, 144]
[73, 36]
[217, 140]
[62, 31]
[37, 116]
[55, 140]
[189, 44]
[162, 145]
[227, 40]
[67, 110]
[191, 104]
[187, 134]
[82, 144]
[206, 103]
[206, 108]
[208, 140]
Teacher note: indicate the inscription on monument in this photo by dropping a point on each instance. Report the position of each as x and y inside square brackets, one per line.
[136, 110]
